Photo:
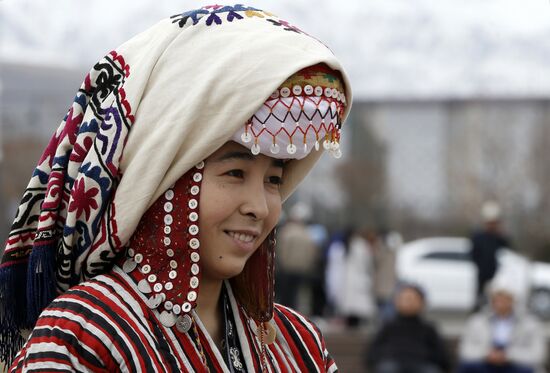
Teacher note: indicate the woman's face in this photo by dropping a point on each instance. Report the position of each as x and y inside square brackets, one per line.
[240, 204]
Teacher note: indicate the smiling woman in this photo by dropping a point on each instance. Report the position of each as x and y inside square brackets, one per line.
[149, 220]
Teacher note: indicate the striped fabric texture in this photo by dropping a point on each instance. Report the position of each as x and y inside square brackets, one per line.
[104, 325]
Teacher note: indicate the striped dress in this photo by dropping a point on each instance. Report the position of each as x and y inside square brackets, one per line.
[104, 325]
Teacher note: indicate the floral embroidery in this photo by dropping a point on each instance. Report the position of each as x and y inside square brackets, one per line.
[217, 14]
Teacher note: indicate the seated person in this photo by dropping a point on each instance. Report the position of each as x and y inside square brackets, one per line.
[408, 343]
[501, 338]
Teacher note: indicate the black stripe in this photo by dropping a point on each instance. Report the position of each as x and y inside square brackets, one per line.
[70, 340]
[304, 353]
[104, 324]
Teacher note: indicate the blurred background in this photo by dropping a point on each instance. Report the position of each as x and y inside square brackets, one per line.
[451, 109]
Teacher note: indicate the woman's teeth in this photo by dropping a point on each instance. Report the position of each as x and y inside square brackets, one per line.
[241, 236]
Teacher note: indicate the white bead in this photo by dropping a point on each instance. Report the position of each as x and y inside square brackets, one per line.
[255, 149]
[193, 203]
[195, 190]
[285, 91]
[274, 94]
[170, 253]
[131, 252]
[152, 278]
[167, 241]
[138, 258]
[275, 148]
[168, 305]
[167, 229]
[246, 137]
[193, 216]
[195, 257]
[318, 91]
[173, 264]
[197, 177]
[297, 90]
[195, 269]
[305, 147]
[194, 282]
[334, 145]
[326, 144]
[308, 89]
[169, 194]
[291, 148]
[337, 153]
[328, 92]
[200, 165]
[157, 287]
[146, 269]
[192, 296]
[193, 229]
[168, 285]
[172, 275]
[194, 243]
[316, 145]
[168, 207]
[168, 219]
[176, 309]
[186, 307]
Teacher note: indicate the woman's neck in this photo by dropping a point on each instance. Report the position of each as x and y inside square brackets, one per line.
[208, 308]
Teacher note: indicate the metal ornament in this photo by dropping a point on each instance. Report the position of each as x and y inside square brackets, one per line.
[184, 323]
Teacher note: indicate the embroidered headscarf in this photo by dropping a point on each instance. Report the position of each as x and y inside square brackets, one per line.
[145, 115]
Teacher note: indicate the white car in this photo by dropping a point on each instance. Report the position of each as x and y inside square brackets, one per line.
[442, 266]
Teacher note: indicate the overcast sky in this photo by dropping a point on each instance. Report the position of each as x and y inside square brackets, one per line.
[398, 48]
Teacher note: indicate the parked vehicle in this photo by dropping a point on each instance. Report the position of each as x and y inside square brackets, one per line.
[443, 267]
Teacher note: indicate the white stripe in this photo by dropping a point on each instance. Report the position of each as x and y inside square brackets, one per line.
[179, 353]
[299, 335]
[211, 343]
[287, 352]
[41, 347]
[120, 333]
[86, 326]
[128, 305]
[310, 327]
[332, 369]
[90, 350]
[245, 347]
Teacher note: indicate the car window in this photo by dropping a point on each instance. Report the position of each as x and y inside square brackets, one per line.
[447, 255]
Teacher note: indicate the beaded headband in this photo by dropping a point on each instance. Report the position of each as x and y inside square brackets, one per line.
[304, 112]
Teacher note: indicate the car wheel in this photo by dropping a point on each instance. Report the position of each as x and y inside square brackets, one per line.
[539, 303]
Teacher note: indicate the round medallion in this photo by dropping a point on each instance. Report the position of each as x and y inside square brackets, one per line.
[192, 296]
[155, 300]
[194, 282]
[168, 285]
[168, 305]
[285, 91]
[199, 165]
[167, 241]
[255, 149]
[168, 219]
[168, 319]
[168, 207]
[131, 252]
[274, 148]
[195, 269]
[193, 216]
[176, 309]
[152, 278]
[197, 176]
[318, 91]
[184, 323]
[193, 229]
[173, 264]
[246, 137]
[308, 89]
[172, 275]
[167, 229]
[291, 148]
[193, 203]
[157, 287]
[195, 190]
[297, 90]
[170, 253]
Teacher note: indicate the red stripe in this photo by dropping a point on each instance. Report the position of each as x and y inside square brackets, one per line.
[208, 351]
[310, 343]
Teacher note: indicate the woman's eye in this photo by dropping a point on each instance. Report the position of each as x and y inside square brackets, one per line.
[235, 173]
[275, 180]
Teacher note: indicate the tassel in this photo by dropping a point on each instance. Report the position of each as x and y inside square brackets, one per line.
[40, 279]
[12, 309]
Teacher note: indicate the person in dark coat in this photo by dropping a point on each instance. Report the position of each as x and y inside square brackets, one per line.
[408, 343]
[486, 243]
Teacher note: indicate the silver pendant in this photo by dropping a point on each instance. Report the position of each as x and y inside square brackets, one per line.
[155, 301]
[144, 286]
[167, 319]
[183, 323]
[129, 265]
